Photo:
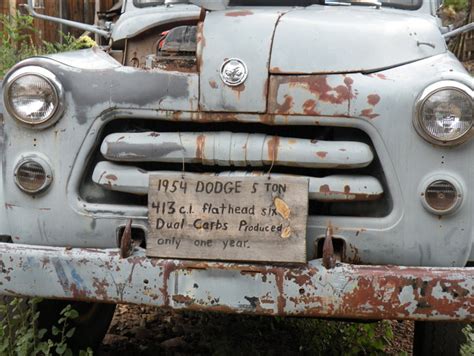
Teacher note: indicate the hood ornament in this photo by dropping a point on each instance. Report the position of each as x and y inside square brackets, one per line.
[233, 72]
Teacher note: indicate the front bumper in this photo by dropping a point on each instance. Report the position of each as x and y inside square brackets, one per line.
[346, 291]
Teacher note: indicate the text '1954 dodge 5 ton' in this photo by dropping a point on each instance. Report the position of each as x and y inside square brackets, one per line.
[296, 158]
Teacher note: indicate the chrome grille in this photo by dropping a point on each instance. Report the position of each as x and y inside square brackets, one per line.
[341, 164]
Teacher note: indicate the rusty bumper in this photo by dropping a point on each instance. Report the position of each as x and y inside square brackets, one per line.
[346, 291]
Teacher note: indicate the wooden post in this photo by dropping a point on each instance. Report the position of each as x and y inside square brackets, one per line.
[64, 14]
[470, 36]
[12, 7]
[96, 19]
[51, 29]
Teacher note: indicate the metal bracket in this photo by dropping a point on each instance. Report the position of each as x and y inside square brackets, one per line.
[126, 246]
[79, 25]
[458, 31]
[329, 261]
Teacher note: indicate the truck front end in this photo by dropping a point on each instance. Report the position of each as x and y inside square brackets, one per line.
[378, 122]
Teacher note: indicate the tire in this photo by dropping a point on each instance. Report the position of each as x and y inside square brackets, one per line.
[438, 338]
[91, 325]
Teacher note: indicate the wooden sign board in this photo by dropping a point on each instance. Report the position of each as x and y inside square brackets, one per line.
[228, 218]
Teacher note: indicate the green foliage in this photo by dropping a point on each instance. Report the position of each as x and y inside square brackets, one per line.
[467, 349]
[16, 41]
[456, 5]
[69, 43]
[344, 338]
[20, 336]
[242, 335]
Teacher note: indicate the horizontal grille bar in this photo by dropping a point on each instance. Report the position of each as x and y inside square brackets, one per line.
[333, 188]
[234, 149]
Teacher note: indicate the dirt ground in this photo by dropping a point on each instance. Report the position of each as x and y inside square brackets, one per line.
[152, 331]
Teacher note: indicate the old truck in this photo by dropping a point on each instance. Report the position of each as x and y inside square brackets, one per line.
[294, 158]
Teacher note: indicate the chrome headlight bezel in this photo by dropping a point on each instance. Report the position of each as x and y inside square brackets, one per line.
[42, 161]
[425, 95]
[452, 180]
[47, 76]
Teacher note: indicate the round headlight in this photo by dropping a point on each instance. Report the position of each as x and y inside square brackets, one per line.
[33, 96]
[33, 174]
[441, 194]
[445, 113]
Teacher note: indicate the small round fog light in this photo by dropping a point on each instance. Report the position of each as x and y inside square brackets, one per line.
[32, 174]
[441, 196]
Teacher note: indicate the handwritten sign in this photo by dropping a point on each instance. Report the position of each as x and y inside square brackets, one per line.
[228, 218]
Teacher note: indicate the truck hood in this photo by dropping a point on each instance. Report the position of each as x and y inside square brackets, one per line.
[336, 39]
[313, 40]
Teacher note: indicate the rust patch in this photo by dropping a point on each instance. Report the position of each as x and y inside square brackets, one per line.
[177, 65]
[319, 86]
[324, 188]
[238, 89]
[329, 261]
[239, 13]
[265, 89]
[276, 70]
[348, 81]
[101, 288]
[182, 299]
[154, 134]
[200, 144]
[422, 289]
[378, 75]
[213, 84]
[176, 116]
[273, 145]
[285, 108]
[319, 89]
[126, 247]
[353, 257]
[281, 300]
[321, 154]
[301, 278]
[213, 117]
[168, 267]
[202, 15]
[9, 206]
[76, 292]
[267, 119]
[343, 94]
[201, 43]
[369, 113]
[346, 195]
[373, 99]
[309, 108]
[45, 261]
[111, 177]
